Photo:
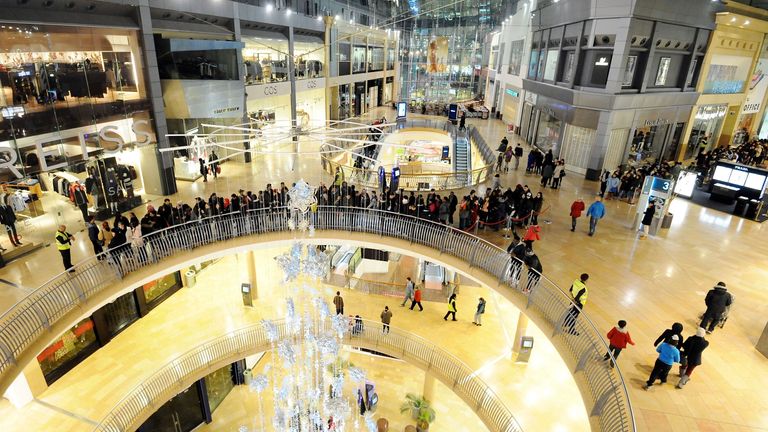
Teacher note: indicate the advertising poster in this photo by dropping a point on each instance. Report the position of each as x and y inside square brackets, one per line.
[757, 87]
[437, 55]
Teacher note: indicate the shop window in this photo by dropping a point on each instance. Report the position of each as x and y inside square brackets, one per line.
[540, 66]
[568, 65]
[515, 56]
[629, 71]
[74, 346]
[390, 59]
[120, 314]
[693, 74]
[550, 67]
[601, 64]
[662, 73]
[376, 58]
[358, 59]
[211, 64]
[156, 291]
[218, 384]
[533, 64]
[727, 74]
[345, 58]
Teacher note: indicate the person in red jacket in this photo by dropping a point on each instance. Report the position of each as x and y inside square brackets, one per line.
[532, 235]
[417, 299]
[618, 338]
[576, 208]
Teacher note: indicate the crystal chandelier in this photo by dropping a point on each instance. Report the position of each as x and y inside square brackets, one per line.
[306, 375]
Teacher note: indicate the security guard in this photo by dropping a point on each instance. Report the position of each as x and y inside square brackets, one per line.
[64, 244]
[579, 293]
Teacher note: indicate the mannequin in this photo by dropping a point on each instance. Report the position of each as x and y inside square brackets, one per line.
[8, 218]
[112, 190]
[124, 176]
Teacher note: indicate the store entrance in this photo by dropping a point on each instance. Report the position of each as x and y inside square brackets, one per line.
[647, 143]
[181, 414]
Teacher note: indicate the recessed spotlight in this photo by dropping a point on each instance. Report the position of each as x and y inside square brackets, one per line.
[319, 18]
[269, 7]
[288, 11]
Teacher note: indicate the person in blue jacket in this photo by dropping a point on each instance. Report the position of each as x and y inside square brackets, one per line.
[668, 356]
[596, 211]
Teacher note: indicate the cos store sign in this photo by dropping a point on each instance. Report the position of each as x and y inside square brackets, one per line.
[108, 134]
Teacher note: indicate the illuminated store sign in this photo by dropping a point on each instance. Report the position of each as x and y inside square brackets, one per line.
[107, 134]
[603, 61]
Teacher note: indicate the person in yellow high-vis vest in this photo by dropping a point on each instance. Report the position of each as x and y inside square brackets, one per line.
[579, 293]
[64, 245]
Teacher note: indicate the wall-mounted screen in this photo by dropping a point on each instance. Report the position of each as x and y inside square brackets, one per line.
[755, 181]
[685, 184]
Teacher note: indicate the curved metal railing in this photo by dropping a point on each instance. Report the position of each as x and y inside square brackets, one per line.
[603, 389]
[173, 377]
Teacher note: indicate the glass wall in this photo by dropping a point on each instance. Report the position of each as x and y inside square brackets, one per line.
[64, 354]
[76, 120]
[706, 128]
[155, 291]
[266, 59]
[218, 384]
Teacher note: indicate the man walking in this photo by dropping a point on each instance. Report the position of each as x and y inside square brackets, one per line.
[668, 355]
[451, 308]
[409, 291]
[93, 236]
[386, 318]
[595, 212]
[718, 300]
[693, 347]
[417, 299]
[453, 202]
[64, 244]
[518, 155]
[479, 313]
[579, 292]
[338, 301]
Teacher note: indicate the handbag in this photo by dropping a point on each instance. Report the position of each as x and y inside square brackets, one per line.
[218, 169]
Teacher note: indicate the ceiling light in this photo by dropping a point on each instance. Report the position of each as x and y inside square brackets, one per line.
[336, 17]
[319, 18]
[288, 11]
[269, 7]
[746, 22]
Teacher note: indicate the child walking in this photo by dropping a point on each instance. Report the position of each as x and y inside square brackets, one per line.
[618, 338]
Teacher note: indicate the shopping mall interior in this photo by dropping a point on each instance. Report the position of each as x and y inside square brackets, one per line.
[432, 215]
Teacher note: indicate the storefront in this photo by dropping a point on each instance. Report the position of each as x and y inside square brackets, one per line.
[76, 123]
[511, 103]
[92, 333]
[266, 59]
[706, 126]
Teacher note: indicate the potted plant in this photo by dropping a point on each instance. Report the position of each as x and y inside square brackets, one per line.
[420, 411]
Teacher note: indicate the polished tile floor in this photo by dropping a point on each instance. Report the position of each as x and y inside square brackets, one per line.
[650, 283]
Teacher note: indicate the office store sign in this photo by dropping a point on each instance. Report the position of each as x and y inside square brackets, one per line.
[110, 139]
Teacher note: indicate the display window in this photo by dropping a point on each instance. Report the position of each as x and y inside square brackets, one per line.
[706, 128]
[266, 59]
[358, 58]
[74, 345]
[156, 291]
[218, 384]
[548, 133]
[120, 313]
[727, 74]
[72, 99]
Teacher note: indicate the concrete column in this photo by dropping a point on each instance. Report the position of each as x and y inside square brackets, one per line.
[240, 65]
[250, 263]
[429, 387]
[522, 328]
[292, 79]
[164, 160]
[328, 20]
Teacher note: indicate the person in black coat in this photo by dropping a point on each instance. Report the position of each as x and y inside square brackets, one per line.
[693, 347]
[718, 300]
[677, 329]
[93, 236]
[534, 269]
[8, 218]
[650, 211]
[203, 169]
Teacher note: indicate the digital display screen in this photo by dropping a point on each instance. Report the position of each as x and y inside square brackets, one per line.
[738, 177]
[722, 173]
[685, 184]
[452, 110]
[527, 343]
[755, 181]
[402, 108]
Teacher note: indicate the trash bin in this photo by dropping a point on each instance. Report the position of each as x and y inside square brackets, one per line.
[248, 376]
[741, 205]
[190, 278]
[667, 221]
[752, 209]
